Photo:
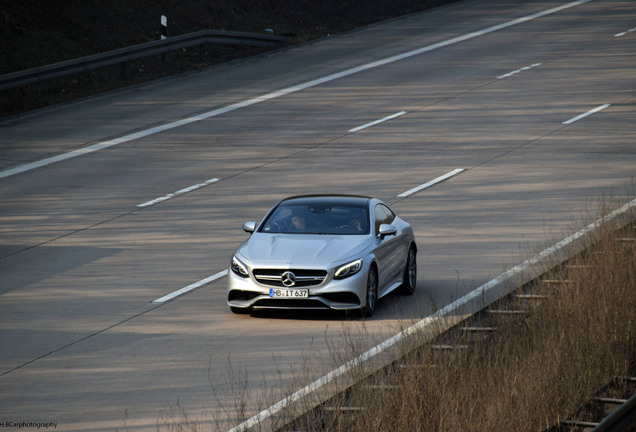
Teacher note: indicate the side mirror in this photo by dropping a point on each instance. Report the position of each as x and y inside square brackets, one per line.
[386, 229]
[249, 227]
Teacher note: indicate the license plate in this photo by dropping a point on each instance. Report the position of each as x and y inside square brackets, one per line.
[288, 293]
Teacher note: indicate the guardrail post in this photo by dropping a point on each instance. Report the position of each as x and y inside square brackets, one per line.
[164, 27]
[164, 35]
[201, 52]
[123, 71]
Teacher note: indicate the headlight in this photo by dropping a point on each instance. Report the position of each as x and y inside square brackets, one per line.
[239, 268]
[348, 269]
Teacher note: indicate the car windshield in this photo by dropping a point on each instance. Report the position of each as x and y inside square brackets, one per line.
[317, 219]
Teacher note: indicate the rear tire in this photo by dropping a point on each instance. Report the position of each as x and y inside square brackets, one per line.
[372, 293]
[410, 273]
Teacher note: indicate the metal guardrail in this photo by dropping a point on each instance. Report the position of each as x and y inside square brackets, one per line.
[620, 419]
[123, 55]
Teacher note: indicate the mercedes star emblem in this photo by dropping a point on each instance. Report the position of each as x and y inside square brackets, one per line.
[288, 279]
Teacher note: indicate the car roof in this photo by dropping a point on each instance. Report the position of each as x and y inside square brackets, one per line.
[324, 199]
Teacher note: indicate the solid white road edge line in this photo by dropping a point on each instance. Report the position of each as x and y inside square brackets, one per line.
[431, 183]
[179, 192]
[191, 287]
[283, 92]
[590, 112]
[373, 123]
[480, 295]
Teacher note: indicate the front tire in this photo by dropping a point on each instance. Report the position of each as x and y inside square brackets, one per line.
[410, 273]
[372, 293]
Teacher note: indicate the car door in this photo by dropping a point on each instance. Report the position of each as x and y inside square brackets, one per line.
[390, 255]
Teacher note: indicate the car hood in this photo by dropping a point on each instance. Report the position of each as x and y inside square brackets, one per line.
[302, 250]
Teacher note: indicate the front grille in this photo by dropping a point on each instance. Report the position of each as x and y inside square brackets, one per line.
[303, 278]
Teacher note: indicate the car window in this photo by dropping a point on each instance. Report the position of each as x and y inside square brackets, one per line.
[383, 215]
[323, 219]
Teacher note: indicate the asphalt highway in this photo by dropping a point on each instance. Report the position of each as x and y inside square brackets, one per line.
[110, 204]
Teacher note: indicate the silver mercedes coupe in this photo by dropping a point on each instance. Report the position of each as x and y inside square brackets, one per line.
[340, 252]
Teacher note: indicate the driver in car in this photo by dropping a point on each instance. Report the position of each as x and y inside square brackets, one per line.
[298, 220]
[356, 219]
